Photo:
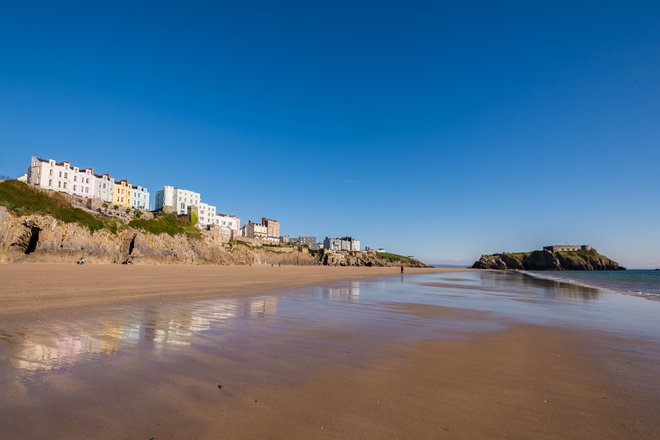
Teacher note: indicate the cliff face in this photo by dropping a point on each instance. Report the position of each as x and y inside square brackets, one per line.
[43, 238]
[546, 260]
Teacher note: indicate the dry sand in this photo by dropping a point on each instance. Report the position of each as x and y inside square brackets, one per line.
[30, 288]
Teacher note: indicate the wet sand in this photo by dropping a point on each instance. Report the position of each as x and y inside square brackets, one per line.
[365, 359]
[30, 288]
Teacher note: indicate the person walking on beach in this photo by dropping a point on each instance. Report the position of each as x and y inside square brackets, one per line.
[402, 269]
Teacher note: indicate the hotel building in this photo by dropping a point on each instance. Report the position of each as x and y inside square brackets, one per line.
[177, 199]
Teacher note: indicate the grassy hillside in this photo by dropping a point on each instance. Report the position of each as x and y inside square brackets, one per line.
[169, 224]
[22, 199]
[398, 259]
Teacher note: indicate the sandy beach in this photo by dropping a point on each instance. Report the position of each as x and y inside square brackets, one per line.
[240, 354]
[29, 288]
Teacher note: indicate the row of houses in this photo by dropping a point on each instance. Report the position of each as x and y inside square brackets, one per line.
[83, 182]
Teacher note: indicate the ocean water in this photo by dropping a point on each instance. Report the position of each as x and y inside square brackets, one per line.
[638, 282]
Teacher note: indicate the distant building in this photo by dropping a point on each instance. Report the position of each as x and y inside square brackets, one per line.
[104, 187]
[342, 244]
[272, 228]
[176, 199]
[123, 194]
[140, 197]
[231, 222]
[567, 247]
[207, 215]
[309, 241]
[255, 230]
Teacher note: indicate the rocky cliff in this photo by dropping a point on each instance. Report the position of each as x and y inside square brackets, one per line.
[546, 260]
[39, 226]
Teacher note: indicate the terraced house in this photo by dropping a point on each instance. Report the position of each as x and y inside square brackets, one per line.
[104, 187]
[61, 177]
[139, 197]
[123, 194]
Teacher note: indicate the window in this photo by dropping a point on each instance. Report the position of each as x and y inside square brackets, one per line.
[64, 185]
[74, 187]
[75, 178]
[66, 175]
[88, 180]
[59, 184]
[50, 182]
[60, 174]
[50, 173]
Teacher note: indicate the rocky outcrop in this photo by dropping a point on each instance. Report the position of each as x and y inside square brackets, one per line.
[546, 260]
[369, 259]
[42, 238]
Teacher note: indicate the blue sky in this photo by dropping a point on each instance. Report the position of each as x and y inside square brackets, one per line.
[438, 129]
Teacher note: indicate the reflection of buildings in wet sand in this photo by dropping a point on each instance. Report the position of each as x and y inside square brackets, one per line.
[48, 354]
[343, 293]
[178, 331]
[63, 348]
[263, 306]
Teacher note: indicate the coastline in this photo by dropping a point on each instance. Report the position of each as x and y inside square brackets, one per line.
[40, 287]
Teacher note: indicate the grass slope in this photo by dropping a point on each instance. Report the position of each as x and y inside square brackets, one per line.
[22, 199]
[169, 224]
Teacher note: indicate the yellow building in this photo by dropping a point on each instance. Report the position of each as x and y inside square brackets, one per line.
[122, 195]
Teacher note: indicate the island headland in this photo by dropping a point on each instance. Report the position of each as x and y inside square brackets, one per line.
[556, 257]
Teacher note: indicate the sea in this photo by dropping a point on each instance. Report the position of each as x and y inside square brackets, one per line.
[640, 282]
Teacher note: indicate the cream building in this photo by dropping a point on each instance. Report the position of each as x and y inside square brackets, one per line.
[255, 230]
[123, 194]
[230, 222]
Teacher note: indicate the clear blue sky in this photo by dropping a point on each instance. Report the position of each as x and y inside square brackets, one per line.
[438, 129]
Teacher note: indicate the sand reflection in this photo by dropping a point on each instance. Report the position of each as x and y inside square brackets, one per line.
[158, 328]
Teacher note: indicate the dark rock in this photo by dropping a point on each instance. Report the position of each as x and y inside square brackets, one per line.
[546, 260]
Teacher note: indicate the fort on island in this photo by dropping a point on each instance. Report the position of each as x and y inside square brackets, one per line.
[567, 247]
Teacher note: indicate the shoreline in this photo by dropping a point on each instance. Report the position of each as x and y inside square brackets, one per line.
[39, 287]
[639, 293]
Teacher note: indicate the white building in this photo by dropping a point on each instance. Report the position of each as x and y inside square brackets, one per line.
[140, 197]
[177, 199]
[83, 182]
[342, 244]
[104, 187]
[61, 176]
[230, 222]
[207, 215]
